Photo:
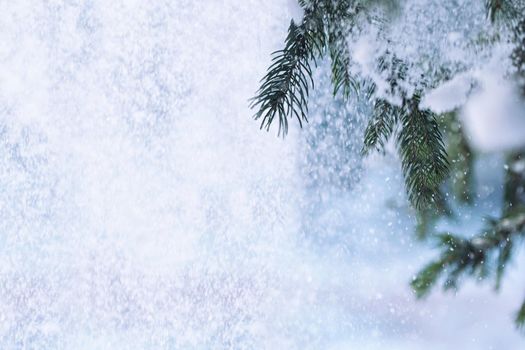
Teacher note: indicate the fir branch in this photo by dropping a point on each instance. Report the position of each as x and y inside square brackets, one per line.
[419, 141]
[514, 184]
[461, 158]
[423, 156]
[381, 126]
[486, 253]
[395, 71]
[285, 88]
[520, 316]
[385, 115]
[427, 278]
[420, 144]
[503, 9]
[463, 165]
[518, 54]
[342, 79]
[341, 20]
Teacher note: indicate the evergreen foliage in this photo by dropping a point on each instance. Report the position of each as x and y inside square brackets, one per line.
[430, 146]
[422, 151]
[488, 253]
[381, 126]
[285, 88]
[518, 54]
[501, 9]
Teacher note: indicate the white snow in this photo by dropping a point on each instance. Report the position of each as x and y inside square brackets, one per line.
[494, 116]
[449, 95]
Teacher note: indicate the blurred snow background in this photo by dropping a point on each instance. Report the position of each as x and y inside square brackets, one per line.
[141, 207]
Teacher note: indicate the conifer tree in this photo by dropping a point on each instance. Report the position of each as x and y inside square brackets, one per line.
[433, 149]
